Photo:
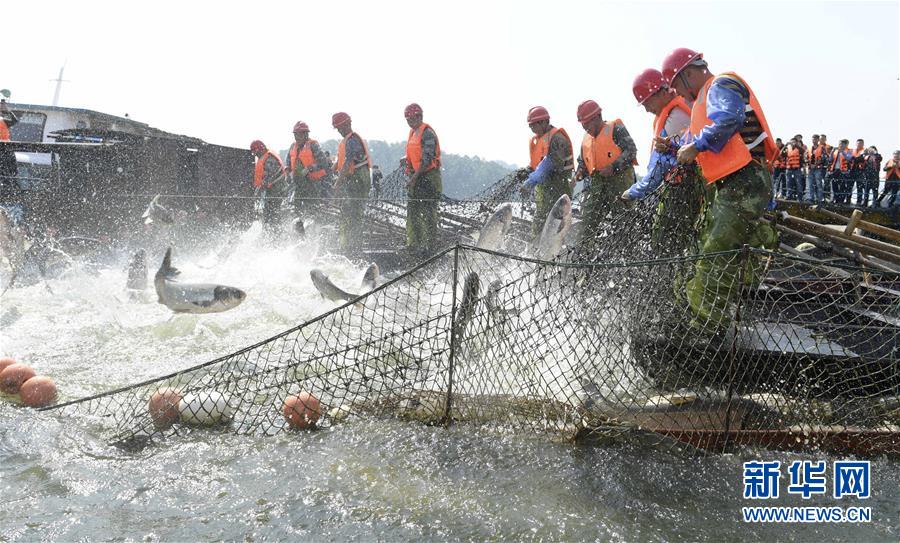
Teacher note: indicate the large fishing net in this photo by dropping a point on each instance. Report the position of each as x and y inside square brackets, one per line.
[614, 342]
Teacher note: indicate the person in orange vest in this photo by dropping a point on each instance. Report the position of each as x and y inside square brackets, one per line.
[268, 183]
[891, 180]
[308, 168]
[822, 165]
[871, 172]
[423, 165]
[839, 171]
[607, 159]
[550, 166]
[679, 204]
[9, 186]
[792, 155]
[734, 152]
[815, 161]
[779, 185]
[353, 182]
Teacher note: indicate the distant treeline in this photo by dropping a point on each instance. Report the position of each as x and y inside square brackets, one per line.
[463, 176]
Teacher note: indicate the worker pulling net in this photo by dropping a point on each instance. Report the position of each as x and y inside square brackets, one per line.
[769, 350]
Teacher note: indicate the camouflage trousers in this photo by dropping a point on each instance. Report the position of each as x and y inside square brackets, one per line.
[733, 220]
[354, 192]
[422, 213]
[545, 195]
[603, 203]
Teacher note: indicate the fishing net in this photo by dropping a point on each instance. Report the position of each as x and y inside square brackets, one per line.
[604, 344]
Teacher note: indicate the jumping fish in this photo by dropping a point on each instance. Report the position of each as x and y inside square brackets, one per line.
[491, 235]
[193, 297]
[371, 277]
[156, 212]
[329, 290]
[557, 225]
[137, 271]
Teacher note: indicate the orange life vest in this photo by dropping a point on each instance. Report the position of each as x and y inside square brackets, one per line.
[793, 158]
[837, 159]
[4, 131]
[306, 158]
[814, 157]
[601, 151]
[893, 172]
[414, 150]
[736, 153]
[777, 162]
[539, 147]
[660, 121]
[859, 165]
[342, 153]
[260, 170]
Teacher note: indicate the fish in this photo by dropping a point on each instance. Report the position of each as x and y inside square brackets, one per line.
[492, 301]
[371, 277]
[467, 304]
[329, 290]
[491, 235]
[137, 271]
[193, 297]
[156, 212]
[298, 228]
[549, 244]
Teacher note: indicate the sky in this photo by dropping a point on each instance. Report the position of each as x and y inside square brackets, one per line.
[230, 73]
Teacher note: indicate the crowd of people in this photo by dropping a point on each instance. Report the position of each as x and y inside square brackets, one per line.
[823, 173]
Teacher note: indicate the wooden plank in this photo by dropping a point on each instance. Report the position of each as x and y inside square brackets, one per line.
[851, 224]
[870, 227]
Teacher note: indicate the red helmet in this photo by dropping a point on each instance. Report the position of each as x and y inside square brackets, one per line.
[677, 61]
[587, 110]
[646, 84]
[257, 147]
[301, 127]
[537, 114]
[412, 109]
[339, 119]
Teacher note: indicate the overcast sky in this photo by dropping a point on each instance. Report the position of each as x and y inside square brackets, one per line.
[231, 73]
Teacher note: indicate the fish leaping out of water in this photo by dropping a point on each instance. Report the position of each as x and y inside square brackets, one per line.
[329, 290]
[193, 297]
[156, 212]
[371, 277]
[491, 235]
[557, 225]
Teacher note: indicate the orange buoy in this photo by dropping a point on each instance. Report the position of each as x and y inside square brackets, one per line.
[163, 407]
[6, 361]
[302, 411]
[39, 391]
[12, 377]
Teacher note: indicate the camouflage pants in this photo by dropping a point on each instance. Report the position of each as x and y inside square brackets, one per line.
[545, 196]
[733, 220]
[422, 213]
[354, 192]
[603, 199]
[678, 218]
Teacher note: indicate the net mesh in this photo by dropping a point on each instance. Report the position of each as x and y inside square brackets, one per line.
[601, 344]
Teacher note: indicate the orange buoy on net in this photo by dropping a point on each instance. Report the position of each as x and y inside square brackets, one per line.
[163, 407]
[12, 377]
[302, 411]
[6, 361]
[39, 391]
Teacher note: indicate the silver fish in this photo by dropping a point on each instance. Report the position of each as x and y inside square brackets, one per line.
[156, 212]
[491, 235]
[557, 225]
[371, 277]
[193, 297]
[329, 290]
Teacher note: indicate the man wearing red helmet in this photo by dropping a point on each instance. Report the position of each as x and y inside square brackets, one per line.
[550, 166]
[268, 183]
[607, 159]
[680, 204]
[731, 141]
[423, 165]
[308, 167]
[353, 181]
